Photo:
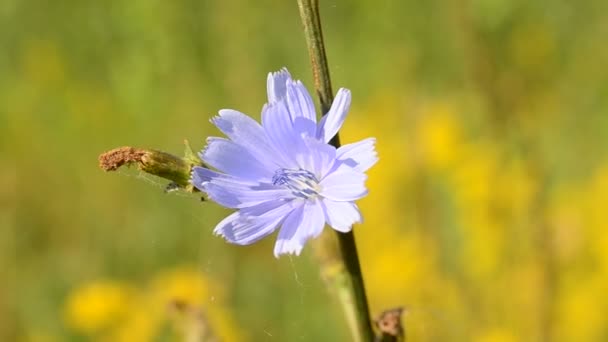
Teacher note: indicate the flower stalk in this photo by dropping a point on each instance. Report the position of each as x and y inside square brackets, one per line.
[340, 264]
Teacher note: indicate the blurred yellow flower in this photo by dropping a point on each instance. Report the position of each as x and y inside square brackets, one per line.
[439, 136]
[496, 335]
[96, 306]
[184, 284]
[515, 189]
[387, 179]
[189, 287]
[114, 311]
[565, 215]
[398, 269]
[582, 310]
[595, 216]
[474, 177]
[484, 246]
[141, 324]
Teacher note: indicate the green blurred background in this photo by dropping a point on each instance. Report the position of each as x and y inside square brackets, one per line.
[487, 212]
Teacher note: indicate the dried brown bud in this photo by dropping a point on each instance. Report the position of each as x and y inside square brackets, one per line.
[154, 162]
[389, 325]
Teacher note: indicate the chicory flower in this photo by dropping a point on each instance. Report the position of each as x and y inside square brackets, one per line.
[284, 173]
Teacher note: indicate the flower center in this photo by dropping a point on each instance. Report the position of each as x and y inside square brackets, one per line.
[302, 183]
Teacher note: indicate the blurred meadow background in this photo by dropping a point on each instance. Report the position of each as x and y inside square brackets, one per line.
[487, 214]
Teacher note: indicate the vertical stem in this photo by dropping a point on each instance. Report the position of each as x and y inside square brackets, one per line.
[309, 12]
[341, 267]
[348, 248]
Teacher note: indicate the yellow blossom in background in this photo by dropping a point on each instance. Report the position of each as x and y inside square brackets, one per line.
[406, 269]
[141, 324]
[474, 177]
[379, 206]
[524, 286]
[187, 285]
[398, 269]
[496, 335]
[393, 173]
[582, 310]
[114, 311]
[439, 136]
[483, 246]
[596, 209]
[515, 189]
[98, 305]
[181, 284]
[565, 214]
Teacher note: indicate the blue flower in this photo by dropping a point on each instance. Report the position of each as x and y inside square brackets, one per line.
[284, 172]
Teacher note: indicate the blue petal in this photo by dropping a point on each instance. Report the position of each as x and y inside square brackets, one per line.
[232, 192]
[252, 224]
[202, 175]
[360, 155]
[318, 158]
[303, 223]
[344, 184]
[280, 132]
[234, 159]
[299, 101]
[304, 127]
[235, 196]
[248, 133]
[333, 120]
[341, 215]
[276, 85]
[301, 108]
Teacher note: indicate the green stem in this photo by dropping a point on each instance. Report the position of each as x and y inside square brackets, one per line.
[340, 266]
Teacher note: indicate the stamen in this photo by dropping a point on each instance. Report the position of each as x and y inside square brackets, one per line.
[302, 183]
